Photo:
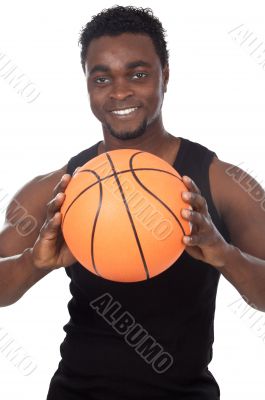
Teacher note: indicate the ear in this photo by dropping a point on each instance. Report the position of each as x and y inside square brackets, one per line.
[165, 77]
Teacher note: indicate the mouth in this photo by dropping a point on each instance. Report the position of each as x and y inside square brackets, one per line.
[123, 113]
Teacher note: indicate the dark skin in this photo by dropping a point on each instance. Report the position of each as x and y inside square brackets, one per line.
[124, 72]
[121, 79]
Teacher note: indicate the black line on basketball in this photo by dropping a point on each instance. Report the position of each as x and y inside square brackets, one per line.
[151, 193]
[135, 169]
[95, 220]
[116, 173]
[94, 226]
[82, 192]
[111, 175]
[129, 214]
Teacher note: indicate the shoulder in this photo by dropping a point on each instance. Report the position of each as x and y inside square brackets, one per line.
[240, 200]
[81, 158]
[231, 185]
[36, 192]
[26, 212]
[196, 145]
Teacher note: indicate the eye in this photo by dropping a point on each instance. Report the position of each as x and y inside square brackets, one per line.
[101, 80]
[139, 75]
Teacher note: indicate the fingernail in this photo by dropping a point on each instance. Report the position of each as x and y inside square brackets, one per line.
[186, 212]
[186, 195]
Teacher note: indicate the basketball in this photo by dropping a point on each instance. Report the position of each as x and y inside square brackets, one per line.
[121, 217]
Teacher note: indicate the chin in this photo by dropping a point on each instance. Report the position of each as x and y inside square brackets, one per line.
[126, 135]
[130, 134]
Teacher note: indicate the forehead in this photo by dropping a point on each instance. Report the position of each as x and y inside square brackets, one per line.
[116, 51]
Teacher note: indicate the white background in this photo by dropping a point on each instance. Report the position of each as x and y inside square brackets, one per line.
[215, 97]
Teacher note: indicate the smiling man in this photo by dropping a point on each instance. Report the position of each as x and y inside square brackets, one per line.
[152, 339]
[126, 88]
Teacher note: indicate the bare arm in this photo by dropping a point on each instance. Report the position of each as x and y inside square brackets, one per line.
[243, 209]
[25, 216]
[239, 201]
[17, 275]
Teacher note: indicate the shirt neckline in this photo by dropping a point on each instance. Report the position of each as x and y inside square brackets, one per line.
[177, 162]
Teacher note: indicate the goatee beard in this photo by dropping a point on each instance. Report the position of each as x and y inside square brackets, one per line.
[128, 134]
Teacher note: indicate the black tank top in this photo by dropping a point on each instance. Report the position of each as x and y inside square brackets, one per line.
[143, 340]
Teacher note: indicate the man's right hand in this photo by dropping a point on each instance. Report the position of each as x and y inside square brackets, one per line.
[50, 250]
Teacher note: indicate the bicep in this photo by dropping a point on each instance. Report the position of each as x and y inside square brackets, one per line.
[26, 213]
[242, 208]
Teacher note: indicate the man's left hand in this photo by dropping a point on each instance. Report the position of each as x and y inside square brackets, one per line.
[205, 242]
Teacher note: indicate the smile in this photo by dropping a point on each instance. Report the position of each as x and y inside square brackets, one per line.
[126, 111]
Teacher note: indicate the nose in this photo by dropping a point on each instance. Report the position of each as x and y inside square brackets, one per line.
[121, 90]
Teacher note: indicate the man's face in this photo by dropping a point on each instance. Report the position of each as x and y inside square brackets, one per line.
[126, 83]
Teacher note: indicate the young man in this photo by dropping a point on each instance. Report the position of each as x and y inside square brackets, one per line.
[150, 339]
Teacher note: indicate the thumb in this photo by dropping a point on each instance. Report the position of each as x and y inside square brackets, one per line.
[51, 230]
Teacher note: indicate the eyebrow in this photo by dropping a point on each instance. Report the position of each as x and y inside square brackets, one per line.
[131, 65]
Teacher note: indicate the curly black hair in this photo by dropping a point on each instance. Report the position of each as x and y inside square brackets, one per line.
[119, 19]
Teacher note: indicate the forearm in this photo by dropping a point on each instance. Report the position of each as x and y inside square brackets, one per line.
[247, 275]
[17, 275]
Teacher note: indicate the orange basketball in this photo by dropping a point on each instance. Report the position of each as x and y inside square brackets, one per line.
[121, 215]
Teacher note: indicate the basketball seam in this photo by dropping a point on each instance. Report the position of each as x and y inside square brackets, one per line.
[152, 194]
[129, 214]
[115, 175]
[95, 220]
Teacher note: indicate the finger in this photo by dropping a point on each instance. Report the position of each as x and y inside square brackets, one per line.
[190, 184]
[50, 230]
[62, 184]
[192, 240]
[54, 205]
[196, 201]
[195, 217]
[76, 170]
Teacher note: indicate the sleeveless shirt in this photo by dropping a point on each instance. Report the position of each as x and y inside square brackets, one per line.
[143, 340]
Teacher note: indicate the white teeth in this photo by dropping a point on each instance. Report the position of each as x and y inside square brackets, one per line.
[124, 112]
